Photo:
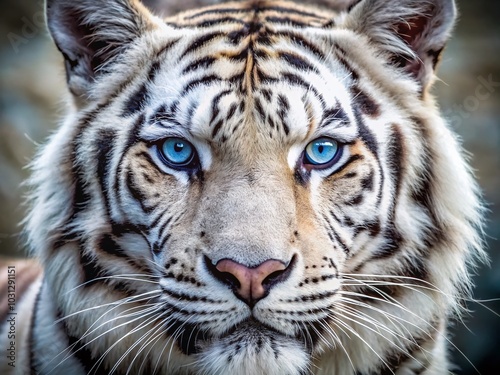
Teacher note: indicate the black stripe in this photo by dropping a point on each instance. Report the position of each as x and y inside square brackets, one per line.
[81, 196]
[200, 42]
[341, 58]
[271, 122]
[295, 79]
[285, 126]
[153, 70]
[202, 63]
[268, 95]
[94, 273]
[165, 113]
[368, 182]
[297, 61]
[157, 219]
[137, 101]
[353, 4]
[205, 80]
[358, 199]
[133, 137]
[286, 21]
[164, 226]
[91, 269]
[334, 215]
[392, 244]
[373, 227]
[334, 237]
[416, 267]
[235, 37]
[215, 104]
[108, 244]
[260, 109]
[264, 38]
[164, 242]
[105, 145]
[216, 11]
[395, 158]
[217, 128]
[347, 66]
[241, 56]
[300, 41]
[283, 104]
[119, 229]
[284, 107]
[167, 47]
[158, 246]
[136, 192]
[62, 238]
[366, 104]
[292, 11]
[231, 111]
[365, 134]
[217, 21]
[186, 297]
[341, 243]
[352, 159]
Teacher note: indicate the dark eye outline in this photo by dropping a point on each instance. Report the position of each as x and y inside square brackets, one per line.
[310, 164]
[191, 163]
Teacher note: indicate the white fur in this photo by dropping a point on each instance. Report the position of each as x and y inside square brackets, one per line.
[249, 222]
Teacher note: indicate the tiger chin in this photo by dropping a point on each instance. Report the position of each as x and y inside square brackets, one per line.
[249, 188]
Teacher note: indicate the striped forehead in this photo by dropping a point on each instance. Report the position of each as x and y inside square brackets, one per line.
[210, 86]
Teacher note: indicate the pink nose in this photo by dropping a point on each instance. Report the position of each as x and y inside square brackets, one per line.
[252, 284]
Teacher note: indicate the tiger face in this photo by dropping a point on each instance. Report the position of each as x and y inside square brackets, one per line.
[253, 188]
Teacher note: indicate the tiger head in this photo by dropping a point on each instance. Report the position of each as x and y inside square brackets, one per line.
[257, 187]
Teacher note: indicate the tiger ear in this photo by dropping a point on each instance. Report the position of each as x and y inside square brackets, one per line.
[414, 32]
[91, 33]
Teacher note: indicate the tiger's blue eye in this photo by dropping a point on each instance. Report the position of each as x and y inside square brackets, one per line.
[177, 152]
[321, 151]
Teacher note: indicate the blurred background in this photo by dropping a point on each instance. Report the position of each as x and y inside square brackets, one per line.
[31, 101]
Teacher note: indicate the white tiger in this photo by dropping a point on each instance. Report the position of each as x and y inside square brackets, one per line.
[255, 187]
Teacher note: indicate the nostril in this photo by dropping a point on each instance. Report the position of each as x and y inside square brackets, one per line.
[279, 275]
[226, 277]
[229, 279]
[272, 278]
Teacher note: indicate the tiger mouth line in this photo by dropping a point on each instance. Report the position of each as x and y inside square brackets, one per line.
[192, 338]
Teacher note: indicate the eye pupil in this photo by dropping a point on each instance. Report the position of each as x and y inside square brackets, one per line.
[178, 147]
[321, 149]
